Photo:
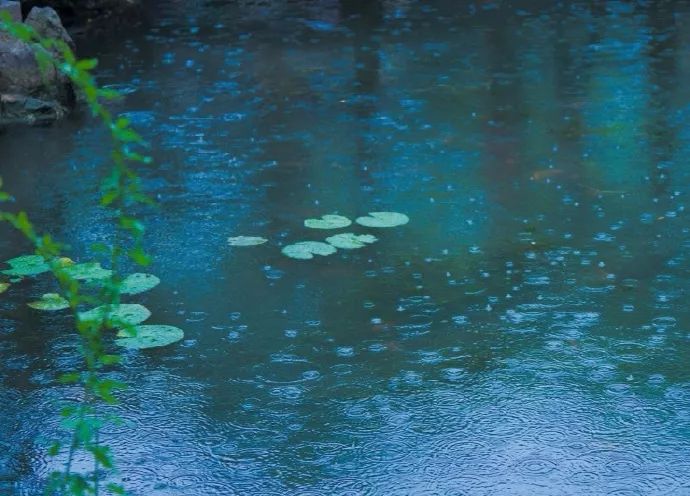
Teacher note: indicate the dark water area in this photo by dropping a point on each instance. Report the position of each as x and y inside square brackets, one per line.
[526, 333]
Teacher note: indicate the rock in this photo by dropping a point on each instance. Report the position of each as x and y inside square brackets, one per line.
[26, 94]
[47, 23]
[22, 109]
[81, 10]
[14, 9]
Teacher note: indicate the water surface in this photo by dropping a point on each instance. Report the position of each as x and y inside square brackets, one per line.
[526, 333]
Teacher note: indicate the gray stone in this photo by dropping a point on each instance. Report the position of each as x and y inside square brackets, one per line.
[47, 23]
[28, 94]
[14, 9]
[22, 109]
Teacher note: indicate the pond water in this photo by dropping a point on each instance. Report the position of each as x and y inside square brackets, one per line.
[526, 333]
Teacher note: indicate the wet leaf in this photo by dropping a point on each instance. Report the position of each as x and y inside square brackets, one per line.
[383, 219]
[27, 265]
[246, 241]
[88, 271]
[305, 250]
[329, 221]
[138, 283]
[351, 241]
[50, 302]
[124, 314]
[149, 336]
[4, 286]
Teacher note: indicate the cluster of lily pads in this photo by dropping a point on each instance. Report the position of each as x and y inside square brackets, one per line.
[306, 250]
[125, 317]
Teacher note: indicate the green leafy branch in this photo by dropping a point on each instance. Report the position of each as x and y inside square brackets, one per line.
[121, 192]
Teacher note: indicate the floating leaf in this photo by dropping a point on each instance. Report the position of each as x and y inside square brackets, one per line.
[124, 314]
[4, 286]
[86, 271]
[149, 336]
[246, 241]
[383, 219]
[138, 283]
[329, 221]
[305, 250]
[50, 302]
[27, 265]
[351, 241]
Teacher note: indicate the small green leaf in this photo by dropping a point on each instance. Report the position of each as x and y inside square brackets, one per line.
[50, 302]
[69, 378]
[54, 449]
[4, 286]
[101, 454]
[383, 219]
[109, 359]
[87, 64]
[139, 256]
[305, 250]
[246, 241]
[329, 221]
[115, 489]
[138, 283]
[351, 241]
[150, 336]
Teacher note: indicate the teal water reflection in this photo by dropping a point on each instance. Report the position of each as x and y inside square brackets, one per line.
[525, 333]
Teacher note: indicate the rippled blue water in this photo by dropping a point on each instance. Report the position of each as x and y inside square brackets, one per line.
[526, 333]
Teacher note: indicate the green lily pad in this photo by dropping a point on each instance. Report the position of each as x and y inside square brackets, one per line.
[246, 241]
[50, 302]
[124, 314]
[149, 336]
[383, 219]
[27, 265]
[305, 250]
[88, 271]
[138, 283]
[4, 286]
[351, 241]
[329, 221]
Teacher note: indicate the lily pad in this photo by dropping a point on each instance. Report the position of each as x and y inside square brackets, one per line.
[123, 314]
[383, 219]
[149, 336]
[4, 286]
[27, 265]
[305, 250]
[50, 302]
[351, 241]
[138, 283]
[329, 221]
[88, 271]
[246, 241]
